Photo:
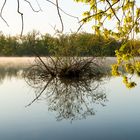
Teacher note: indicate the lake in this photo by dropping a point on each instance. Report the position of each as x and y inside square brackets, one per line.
[102, 109]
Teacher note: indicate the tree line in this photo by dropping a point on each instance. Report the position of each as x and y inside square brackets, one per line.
[81, 44]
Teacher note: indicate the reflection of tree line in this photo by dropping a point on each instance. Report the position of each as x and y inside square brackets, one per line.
[70, 99]
[8, 73]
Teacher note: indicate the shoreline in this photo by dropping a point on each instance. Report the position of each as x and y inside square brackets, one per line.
[24, 62]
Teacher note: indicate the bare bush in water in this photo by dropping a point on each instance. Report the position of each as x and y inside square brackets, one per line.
[65, 67]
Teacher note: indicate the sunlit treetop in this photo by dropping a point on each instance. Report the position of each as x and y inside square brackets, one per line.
[119, 19]
[122, 15]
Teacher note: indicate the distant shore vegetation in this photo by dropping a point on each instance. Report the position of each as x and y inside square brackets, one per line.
[80, 44]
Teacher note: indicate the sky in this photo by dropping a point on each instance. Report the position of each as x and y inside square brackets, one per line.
[43, 21]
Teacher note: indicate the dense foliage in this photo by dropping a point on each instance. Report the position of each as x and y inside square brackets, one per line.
[81, 44]
[119, 19]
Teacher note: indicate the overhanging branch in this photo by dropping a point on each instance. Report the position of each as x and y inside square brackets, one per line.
[62, 24]
[32, 6]
[111, 7]
[63, 10]
[2, 12]
[21, 14]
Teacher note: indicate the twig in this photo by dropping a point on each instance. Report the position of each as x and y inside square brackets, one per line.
[37, 97]
[2, 11]
[62, 25]
[111, 6]
[47, 68]
[32, 6]
[63, 10]
[39, 5]
[79, 27]
[21, 14]
[98, 13]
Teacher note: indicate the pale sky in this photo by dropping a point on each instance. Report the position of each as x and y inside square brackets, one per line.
[42, 21]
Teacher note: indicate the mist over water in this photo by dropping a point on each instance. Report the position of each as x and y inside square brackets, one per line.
[96, 109]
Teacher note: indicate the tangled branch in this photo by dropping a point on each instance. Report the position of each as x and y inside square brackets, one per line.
[56, 4]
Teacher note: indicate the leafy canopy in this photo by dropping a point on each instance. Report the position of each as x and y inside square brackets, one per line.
[119, 19]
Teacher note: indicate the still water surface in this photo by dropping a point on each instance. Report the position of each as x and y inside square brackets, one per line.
[115, 115]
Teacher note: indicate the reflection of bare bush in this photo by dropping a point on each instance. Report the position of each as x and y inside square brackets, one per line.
[75, 100]
[69, 98]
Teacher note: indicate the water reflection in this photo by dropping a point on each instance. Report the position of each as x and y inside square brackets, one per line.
[69, 99]
[8, 73]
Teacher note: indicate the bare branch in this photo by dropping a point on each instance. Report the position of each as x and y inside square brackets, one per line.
[62, 25]
[21, 14]
[39, 5]
[63, 10]
[98, 13]
[32, 6]
[80, 27]
[111, 6]
[37, 97]
[2, 11]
